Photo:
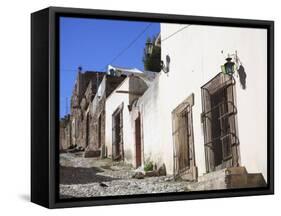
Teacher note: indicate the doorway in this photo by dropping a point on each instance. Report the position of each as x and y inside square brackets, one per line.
[117, 135]
[138, 141]
[184, 154]
[99, 131]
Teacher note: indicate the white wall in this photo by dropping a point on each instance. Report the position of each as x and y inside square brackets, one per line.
[112, 102]
[151, 109]
[196, 56]
[15, 185]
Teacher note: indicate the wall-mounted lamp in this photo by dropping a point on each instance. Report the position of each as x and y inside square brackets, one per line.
[228, 67]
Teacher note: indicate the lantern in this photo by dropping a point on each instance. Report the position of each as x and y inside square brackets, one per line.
[229, 66]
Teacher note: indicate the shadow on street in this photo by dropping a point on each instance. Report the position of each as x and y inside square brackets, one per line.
[81, 175]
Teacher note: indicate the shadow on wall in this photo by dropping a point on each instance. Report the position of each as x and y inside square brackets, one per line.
[242, 76]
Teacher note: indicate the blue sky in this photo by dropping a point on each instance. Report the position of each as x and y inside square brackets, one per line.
[93, 43]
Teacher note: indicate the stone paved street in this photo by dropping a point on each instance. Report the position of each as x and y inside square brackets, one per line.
[89, 177]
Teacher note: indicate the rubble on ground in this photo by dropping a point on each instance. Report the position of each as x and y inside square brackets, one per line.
[117, 178]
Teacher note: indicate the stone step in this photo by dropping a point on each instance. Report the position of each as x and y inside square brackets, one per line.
[92, 153]
[234, 177]
[222, 173]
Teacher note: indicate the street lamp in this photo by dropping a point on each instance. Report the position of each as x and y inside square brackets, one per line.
[148, 48]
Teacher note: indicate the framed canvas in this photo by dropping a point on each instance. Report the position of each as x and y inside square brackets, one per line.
[138, 107]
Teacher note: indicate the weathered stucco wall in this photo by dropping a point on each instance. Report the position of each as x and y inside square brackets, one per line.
[196, 54]
[96, 111]
[112, 103]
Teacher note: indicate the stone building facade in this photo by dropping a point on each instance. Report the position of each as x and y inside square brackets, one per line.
[120, 127]
[83, 93]
[95, 129]
[84, 127]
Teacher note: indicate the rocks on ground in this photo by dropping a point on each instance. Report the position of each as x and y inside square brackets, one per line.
[114, 178]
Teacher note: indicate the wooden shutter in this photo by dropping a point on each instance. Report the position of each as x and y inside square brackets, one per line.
[183, 138]
[207, 128]
[227, 118]
[176, 141]
[234, 141]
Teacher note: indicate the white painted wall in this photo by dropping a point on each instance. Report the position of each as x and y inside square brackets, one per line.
[112, 103]
[196, 57]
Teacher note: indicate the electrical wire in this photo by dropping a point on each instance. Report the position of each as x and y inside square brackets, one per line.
[127, 47]
[133, 42]
[173, 34]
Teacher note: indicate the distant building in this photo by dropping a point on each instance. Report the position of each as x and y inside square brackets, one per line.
[95, 115]
[119, 130]
[84, 90]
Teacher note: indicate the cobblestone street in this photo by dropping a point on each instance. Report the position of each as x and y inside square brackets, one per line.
[89, 177]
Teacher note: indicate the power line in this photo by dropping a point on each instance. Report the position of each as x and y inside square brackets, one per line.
[132, 43]
[171, 35]
[129, 45]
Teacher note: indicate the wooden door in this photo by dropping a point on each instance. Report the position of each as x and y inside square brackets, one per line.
[117, 135]
[138, 141]
[99, 131]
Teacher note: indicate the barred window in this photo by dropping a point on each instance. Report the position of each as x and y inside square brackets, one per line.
[219, 123]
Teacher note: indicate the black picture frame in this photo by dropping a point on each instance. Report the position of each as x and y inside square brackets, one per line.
[45, 106]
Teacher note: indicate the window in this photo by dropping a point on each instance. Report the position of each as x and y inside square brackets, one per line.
[184, 156]
[220, 123]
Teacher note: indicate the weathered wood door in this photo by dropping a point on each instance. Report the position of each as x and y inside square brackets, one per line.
[184, 156]
[138, 141]
[181, 134]
[117, 135]
[99, 130]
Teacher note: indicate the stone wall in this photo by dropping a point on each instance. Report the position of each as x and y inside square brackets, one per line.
[85, 128]
[96, 142]
[65, 133]
[84, 90]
